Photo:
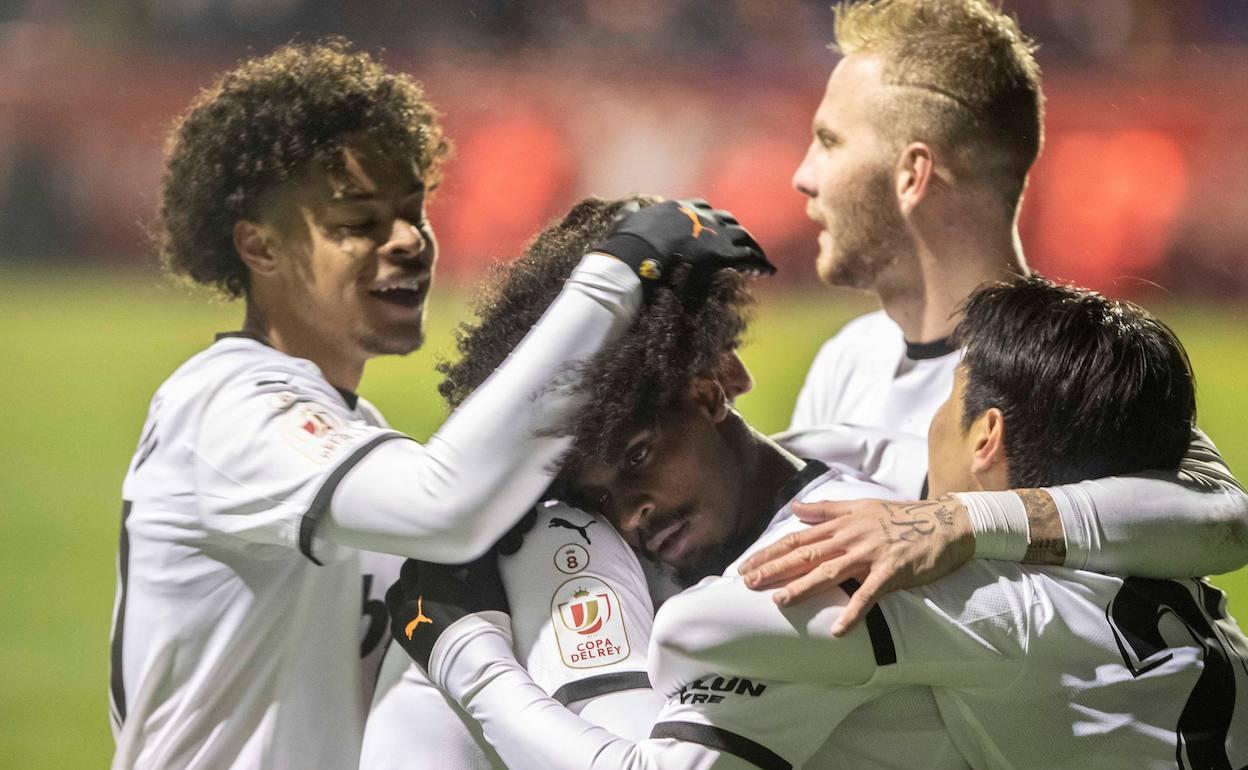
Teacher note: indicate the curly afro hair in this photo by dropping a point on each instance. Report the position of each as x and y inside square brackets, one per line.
[681, 332]
[259, 126]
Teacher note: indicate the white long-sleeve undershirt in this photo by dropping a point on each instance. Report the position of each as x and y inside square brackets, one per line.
[473, 661]
[1189, 522]
[454, 496]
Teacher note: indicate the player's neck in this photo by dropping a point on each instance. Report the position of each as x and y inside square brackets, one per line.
[342, 371]
[767, 467]
[924, 296]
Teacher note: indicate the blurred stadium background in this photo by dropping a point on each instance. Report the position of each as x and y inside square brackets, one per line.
[1142, 191]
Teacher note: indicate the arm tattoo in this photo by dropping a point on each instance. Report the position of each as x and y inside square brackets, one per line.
[1046, 537]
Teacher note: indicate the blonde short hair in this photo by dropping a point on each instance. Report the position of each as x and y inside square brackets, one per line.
[971, 79]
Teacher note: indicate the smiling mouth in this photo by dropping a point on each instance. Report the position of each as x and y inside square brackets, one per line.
[407, 294]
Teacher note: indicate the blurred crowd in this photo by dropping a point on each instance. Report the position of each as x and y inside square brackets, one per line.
[1144, 175]
[1072, 29]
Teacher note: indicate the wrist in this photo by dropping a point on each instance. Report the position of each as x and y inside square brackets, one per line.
[998, 523]
[634, 251]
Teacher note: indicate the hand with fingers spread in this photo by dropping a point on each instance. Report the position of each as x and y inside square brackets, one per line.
[654, 239]
[885, 545]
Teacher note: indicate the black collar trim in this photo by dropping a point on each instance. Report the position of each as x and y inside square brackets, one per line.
[244, 335]
[351, 397]
[918, 351]
[797, 482]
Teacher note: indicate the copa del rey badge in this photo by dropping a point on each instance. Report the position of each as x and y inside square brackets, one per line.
[589, 623]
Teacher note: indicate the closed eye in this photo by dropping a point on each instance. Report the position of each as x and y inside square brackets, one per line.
[638, 450]
[358, 228]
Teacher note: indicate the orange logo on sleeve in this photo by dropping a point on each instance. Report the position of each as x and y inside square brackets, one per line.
[420, 618]
[698, 227]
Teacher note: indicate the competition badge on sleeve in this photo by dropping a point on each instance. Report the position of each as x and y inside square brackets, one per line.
[318, 433]
[589, 624]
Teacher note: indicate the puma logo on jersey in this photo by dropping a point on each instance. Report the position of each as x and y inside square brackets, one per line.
[558, 522]
[698, 227]
[420, 618]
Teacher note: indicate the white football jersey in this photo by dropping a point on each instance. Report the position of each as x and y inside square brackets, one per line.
[1029, 667]
[581, 616]
[237, 628]
[869, 398]
[581, 609]
[581, 620]
[868, 375]
[242, 447]
[765, 720]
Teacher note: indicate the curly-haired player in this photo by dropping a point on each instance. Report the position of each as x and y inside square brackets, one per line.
[298, 182]
[690, 325]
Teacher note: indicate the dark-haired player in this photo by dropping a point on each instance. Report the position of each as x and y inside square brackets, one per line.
[398, 733]
[916, 169]
[298, 182]
[998, 665]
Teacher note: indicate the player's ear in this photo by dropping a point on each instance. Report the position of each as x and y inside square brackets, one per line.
[708, 395]
[253, 241]
[916, 170]
[988, 462]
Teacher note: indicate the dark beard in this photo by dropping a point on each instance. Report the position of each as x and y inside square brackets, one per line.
[714, 561]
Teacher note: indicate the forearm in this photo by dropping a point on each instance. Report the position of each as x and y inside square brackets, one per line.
[530, 729]
[452, 498]
[720, 625]
[1193, 521]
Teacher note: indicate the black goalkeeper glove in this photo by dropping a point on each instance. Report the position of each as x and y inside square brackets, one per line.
[655, 239]
[428, 598]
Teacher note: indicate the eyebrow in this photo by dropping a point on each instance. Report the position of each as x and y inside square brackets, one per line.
[818, 129]
[353, 195]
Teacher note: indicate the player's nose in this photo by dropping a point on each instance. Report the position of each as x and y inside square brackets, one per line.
[407, 240]
[634, 515]
[804, 176]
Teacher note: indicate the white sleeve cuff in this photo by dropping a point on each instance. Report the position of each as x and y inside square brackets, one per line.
[606, 267]
[999, 522]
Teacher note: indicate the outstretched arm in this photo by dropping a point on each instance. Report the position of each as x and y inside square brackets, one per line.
[1192, 521]
[453, 497]
[529, 729]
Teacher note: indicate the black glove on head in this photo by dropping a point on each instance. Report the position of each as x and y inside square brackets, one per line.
[653, 240]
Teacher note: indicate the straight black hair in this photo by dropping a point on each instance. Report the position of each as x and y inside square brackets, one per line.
[1088, 386]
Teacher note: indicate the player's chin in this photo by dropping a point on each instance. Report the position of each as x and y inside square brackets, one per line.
[836, 270]
[394, 341]
[827, 266]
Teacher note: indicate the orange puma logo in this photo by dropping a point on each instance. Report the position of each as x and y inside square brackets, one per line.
[698, 227]
[420, 617]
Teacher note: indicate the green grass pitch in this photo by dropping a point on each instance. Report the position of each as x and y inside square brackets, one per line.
[82, 354]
